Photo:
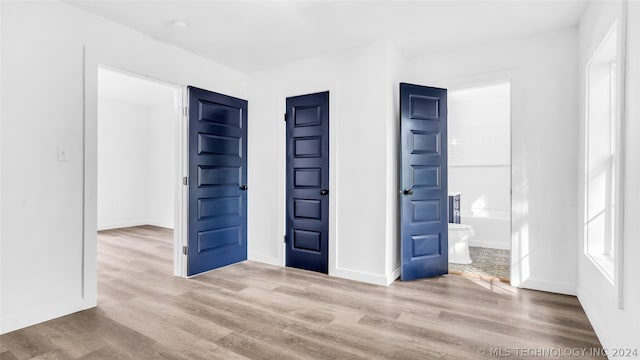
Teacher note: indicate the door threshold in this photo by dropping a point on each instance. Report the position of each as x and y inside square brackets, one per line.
[480, 276]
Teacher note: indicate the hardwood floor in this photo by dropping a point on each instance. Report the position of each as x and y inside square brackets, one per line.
[256, 311]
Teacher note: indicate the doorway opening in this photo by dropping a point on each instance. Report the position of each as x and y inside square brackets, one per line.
[479, 182]
[138, 167]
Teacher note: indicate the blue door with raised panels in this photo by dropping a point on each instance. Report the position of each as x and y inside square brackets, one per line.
[423, 178]
[307, 182]
[217, 180]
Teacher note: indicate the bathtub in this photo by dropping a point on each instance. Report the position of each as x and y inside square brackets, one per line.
[492, 228]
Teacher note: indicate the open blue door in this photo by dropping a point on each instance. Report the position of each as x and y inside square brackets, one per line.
[307, 237]
[423, 177]
[217, 180]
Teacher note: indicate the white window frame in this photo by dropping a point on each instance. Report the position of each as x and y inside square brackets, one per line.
[609, 262]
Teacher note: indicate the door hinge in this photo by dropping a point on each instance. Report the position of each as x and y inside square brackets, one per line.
[185, 111]
[184, 250]
[285, 117]
[185, 181]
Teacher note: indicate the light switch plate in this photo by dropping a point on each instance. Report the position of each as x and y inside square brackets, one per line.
[63, 153]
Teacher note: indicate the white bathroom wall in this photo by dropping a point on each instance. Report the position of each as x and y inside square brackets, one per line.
[360, 184]
[49, 98]
[617, 328]
[544, 116]
[479, 126]
[123, 164]
[479, 133]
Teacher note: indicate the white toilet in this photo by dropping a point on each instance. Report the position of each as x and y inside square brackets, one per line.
[459, 236]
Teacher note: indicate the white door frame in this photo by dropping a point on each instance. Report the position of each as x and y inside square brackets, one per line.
[302, 89]
[489, 79]
[181, 192]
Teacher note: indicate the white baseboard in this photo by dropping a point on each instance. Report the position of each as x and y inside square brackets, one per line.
[393, 276]
[127, 224]
[16, 321]
[595, 321]
[161, 224]
[363, 277]
[341, 273]
[124, 224]
[265, 259]
[549, 286]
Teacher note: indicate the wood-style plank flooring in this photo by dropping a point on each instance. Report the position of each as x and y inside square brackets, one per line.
[256, 311]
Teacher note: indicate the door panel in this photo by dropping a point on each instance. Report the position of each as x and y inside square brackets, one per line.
[217, 181]
[423, 177]
[307, 238]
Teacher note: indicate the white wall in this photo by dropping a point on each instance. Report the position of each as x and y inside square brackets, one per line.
[49, 97]
[543, 75]
[359, 180]
[2, 273]
[396, 67]
[616, 328]
[479, 134]
[136, 164]
[123, 166]
[162, 169]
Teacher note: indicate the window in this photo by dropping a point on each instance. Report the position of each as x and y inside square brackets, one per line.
[602, 156]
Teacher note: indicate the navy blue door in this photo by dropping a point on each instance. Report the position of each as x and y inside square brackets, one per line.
[217, 180]
[423, 177]
[307, 237]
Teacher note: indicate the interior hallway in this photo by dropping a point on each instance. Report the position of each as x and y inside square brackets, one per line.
[255, 311]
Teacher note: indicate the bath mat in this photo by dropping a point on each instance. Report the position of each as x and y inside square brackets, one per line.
[486, 262]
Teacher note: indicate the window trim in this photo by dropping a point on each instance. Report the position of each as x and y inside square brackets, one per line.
[610, 265]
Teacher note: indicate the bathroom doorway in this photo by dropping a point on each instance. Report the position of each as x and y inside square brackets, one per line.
[479, 167]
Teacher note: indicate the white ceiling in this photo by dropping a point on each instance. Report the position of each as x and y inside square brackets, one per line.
[116, 85]
[251, 35]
